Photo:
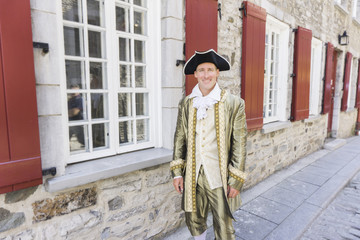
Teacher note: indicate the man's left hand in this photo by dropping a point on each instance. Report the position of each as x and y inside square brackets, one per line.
[232, 192]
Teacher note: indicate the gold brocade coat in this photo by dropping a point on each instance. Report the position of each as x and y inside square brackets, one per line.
[231, 133]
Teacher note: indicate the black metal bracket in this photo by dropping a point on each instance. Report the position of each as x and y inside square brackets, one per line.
[43, 46]
[292, 75]
[219, 10]
[243, 8]
[48, 171]
[178, 62]
[295, 30]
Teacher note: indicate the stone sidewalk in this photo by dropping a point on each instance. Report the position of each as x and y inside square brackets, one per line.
[286, 203]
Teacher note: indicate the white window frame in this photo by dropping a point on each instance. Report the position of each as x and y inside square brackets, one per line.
[315, 76]
[274, 25]
[153, 80]
[356, 11]
[352, 87]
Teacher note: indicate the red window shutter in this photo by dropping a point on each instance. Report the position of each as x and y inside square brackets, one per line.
[328, 77]
[301, 80]
[20, 167]
[201, 31]
[252, 64]
[348, 60]
[357, 104]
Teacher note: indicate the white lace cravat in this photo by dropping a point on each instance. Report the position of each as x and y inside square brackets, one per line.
[202, 103]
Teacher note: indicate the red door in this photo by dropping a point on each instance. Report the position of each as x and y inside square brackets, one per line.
[332, 89]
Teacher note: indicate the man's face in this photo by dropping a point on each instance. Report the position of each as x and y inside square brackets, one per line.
[206, 75]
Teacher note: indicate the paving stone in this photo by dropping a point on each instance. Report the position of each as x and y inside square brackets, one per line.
[295, 224]
[318, 171]
[310, 178]
[284, 196]
[326, 193]
[267, 209]
[298, 186]
[341, 219]
[247, 226]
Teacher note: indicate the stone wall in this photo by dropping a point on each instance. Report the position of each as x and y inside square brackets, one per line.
[271, 152]
[139, 205]
[348, 123]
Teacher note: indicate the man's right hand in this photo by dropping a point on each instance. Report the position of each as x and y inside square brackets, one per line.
[178, 184]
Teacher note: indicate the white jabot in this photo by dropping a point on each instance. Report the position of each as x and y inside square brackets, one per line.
[203, 103]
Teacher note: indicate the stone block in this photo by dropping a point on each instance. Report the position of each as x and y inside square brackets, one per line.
[169, 116]
[296, 223]
[284, 196]
[157, 178]
[172, 75]
[10, 220]
[20, 195]
[52, 148]
[80, 225]
[310, 178]
[48, 100]
[115, 203]
[172, 28]
[172, 8]
[246, 225]
[44, 5]
[47, 66]
[298, 186]
[63, 204]
[171, 97]
[127, 213]
[267, 209]
[119, 231]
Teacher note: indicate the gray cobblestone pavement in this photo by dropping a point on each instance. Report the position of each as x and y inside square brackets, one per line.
[341, 219]
[283, 206]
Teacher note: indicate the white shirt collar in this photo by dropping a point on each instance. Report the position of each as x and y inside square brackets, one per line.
[201, 103]
[214, 94]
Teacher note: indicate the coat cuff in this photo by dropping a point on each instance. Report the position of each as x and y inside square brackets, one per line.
[176, 167]
[236, 178]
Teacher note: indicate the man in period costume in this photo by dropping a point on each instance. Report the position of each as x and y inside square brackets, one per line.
[209, 149]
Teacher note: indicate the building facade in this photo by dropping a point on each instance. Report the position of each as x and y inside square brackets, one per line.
[89, 91]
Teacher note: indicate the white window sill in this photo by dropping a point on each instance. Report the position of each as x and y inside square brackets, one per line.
[275, 126]
[92, 171]
[312, 118]
[341, 8]
[356, 21]
[350, 110]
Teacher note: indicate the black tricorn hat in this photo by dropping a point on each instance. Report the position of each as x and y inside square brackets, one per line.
[208, 56]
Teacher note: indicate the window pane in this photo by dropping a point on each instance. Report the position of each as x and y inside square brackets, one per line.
[99, 135]
[125, 132]
[77, 136]
[140, 3]
[76, 106]
[124, 49]
[72, 10]
[139, 22]
[124, 104]
[141, 104]
[139, 51]
[139, 76]
[72, 41]
[142, 130]
[122, 19]
[125, 73]
[97, 105]
[97, 75]
[95, 44]
[75, 74]
[93, 10]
